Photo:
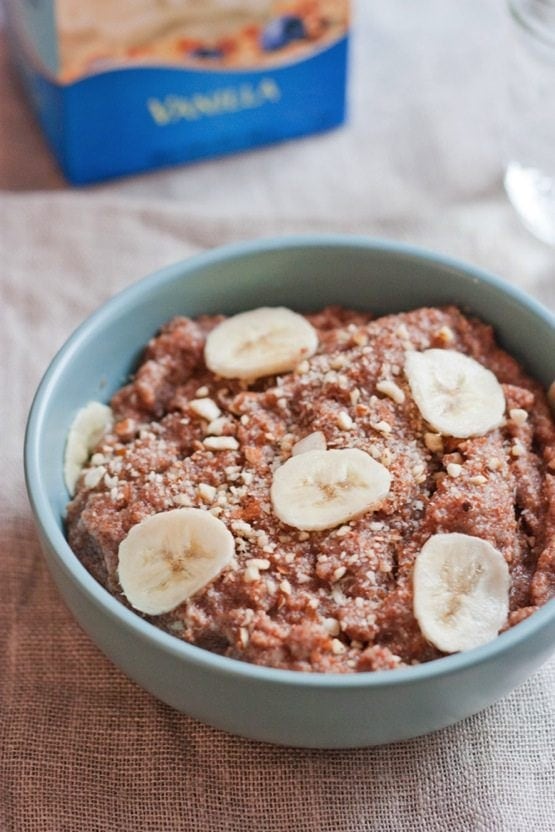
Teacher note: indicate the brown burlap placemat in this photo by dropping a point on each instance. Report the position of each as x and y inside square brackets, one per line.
[81, 747]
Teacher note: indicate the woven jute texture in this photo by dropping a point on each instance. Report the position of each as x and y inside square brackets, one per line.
[81, 747]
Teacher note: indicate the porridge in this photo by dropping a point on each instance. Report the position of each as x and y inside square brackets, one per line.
[329, 492]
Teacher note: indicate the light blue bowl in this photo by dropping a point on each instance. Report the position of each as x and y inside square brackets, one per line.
[287, 707]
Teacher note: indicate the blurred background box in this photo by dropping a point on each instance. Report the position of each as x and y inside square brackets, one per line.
[121, 86]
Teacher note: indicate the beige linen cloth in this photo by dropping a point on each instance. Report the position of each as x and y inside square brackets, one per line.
[83, 748]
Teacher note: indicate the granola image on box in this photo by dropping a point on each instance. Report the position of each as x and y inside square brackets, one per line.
[193, 33]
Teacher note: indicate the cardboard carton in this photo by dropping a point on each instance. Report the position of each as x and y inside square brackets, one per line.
[121, 86]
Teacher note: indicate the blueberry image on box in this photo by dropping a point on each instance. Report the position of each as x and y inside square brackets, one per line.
[281, 31]
[208, 53]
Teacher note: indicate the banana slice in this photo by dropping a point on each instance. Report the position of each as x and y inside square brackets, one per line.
[454, 393]
[461, 591]
[321, 489]
[86, 431]
[169, 556]
[259, 343]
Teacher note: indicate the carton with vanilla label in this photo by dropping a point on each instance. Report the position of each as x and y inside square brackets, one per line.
[121, 86]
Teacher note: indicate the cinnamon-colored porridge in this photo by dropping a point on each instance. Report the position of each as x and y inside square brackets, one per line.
[334, 599]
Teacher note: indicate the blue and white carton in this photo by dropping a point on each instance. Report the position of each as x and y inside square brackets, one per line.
[121, 86]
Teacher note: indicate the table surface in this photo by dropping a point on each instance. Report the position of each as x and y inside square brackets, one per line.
[420, 160]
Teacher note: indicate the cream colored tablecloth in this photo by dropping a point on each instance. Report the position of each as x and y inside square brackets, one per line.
[81, 747]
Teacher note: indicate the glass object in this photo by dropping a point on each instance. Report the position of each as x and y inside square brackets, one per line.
[530, 171]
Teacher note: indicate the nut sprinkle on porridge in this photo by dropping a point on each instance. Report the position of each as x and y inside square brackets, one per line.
[326, 492]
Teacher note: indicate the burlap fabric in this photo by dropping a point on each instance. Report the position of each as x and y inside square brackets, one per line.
[81, 747]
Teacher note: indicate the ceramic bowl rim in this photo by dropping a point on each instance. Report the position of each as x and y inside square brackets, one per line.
[190, 654]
